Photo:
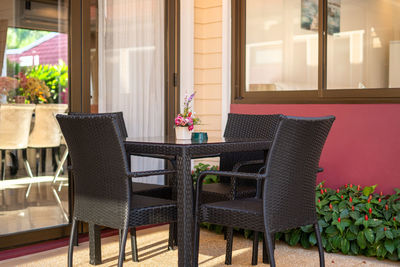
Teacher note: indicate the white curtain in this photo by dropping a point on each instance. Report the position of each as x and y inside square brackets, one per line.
[131, 68]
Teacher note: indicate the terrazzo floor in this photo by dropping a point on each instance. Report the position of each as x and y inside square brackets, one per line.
[153, 252]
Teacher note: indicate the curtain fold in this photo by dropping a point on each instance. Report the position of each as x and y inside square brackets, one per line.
[131, 68]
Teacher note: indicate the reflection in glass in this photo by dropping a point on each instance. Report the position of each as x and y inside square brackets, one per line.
[365, 53]
[33, 87]
[281, 45]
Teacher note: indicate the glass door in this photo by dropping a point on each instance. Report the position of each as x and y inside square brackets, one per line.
[34, 86]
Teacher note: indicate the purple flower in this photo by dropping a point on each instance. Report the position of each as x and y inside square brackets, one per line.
[191, 97]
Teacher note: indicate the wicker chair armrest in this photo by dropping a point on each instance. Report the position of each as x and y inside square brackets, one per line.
[149, 173]
[244, 175]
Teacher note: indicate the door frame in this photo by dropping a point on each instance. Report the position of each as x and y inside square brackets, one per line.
[79, 96]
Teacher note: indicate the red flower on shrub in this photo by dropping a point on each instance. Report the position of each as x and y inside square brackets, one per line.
[370, 211]
[341, 196]
[319, 200]
[337, 190]
[366, 217]
[330, 206]
[358, 187]
[322, 191]
[386, 207]
[394, 218]
[325, 190]
[345, 185]
[379, 200]
[384, 228]
[350, 199]
[352, 208]
[351, 185]
[338, 219]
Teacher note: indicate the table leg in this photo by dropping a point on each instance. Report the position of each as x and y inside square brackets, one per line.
[185, 209]
[94, 244]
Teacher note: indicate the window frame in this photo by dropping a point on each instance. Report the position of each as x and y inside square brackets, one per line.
[321, 95]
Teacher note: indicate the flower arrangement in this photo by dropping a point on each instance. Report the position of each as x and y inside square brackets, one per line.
[35, 90]
[187, 118]
[7, 84]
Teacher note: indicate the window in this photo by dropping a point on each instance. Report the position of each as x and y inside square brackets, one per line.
[315, 51]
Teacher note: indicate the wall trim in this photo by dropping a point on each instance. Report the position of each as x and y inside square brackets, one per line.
[226, 62]
[186, 49]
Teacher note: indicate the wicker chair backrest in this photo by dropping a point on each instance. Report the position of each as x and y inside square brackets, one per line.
[120, 120]
[289, 190]
[99, 166]
[247, 126]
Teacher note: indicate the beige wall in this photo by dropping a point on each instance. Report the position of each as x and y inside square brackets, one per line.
[208, 66]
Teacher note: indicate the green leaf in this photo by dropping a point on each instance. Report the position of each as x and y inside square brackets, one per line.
[354, 248]
[355, 215]
[368, 190]
[304, 240]
[336, 242]
[307, 229]
[354, 229]
[331, 230]
[344, 214]
[379, 235]
[295, 237]
[374, 223]
[369, 234]
[361, 241]
[342, 205]
[312, 239]
[389, 245]
[389, 234]
[396, 207]
[345, 246]
[351, 236]
[322, 223]
[381, 251]
[359, 221]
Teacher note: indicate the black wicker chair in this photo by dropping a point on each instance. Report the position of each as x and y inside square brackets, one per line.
[288, 197]
[102, 181]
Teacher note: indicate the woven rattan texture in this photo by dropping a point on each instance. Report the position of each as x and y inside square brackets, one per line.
[243, 213]
[241, 126]
[289, 190]
[102, 189]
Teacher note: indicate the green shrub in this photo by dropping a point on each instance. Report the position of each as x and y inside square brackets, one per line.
[54, 76]
[352, 220]
[209, 179]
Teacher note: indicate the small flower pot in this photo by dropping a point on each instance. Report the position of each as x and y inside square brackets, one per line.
[183, 133]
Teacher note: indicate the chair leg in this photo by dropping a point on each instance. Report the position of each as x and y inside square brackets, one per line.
[196, 242]
[60, 165]
[135, 256]
[123, 243]
[320, 247]
[43, 151]
[120, 239]
[37, 161]
[265, 253]
[71, 242]
[270, 248]
[229, 245]
[254, 258]
[171, 238]
[3, 167]
[28, 170]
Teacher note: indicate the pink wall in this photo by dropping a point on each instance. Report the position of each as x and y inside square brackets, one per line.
[363, 146]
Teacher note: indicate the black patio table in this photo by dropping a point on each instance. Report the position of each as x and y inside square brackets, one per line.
[184, 151]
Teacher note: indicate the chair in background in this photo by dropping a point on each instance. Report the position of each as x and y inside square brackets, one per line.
[46, 132]
[15, 122]
[288, 197]
[103, 182]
